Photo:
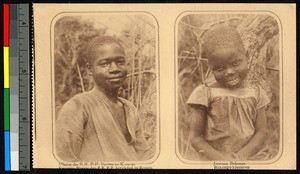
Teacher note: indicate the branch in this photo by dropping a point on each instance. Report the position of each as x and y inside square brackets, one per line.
[74, 56]
[145, 21]
[272, 69]
[142, 72]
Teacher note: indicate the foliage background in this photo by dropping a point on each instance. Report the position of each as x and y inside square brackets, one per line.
[260, 34]
[137, 34]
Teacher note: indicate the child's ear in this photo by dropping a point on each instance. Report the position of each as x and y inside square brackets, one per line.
[248, 60]
[89, 69]
[248, 64]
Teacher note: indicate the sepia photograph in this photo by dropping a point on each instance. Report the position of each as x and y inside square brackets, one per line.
[228, 88]
[164, 86]
[105, 80]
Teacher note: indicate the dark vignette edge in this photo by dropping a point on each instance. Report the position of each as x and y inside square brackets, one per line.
[157, 87]
[281, 89]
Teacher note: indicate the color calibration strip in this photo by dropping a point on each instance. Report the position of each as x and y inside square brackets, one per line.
[16, 87]
[6, 33]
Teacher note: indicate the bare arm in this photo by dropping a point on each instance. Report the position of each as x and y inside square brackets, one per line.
[255, 143]
[69, 132]
[198, 123]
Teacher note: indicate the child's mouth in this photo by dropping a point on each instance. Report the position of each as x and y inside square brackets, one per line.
[233, 81]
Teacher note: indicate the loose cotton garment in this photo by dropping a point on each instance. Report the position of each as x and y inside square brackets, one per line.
[231, 114]
[86, 130]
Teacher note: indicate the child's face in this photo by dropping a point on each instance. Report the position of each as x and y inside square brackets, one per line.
[108, 66]
[229, 67]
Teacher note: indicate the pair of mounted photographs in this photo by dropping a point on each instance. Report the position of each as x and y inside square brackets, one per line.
[164, 86]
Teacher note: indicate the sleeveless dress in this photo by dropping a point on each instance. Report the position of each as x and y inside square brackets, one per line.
[231, 113]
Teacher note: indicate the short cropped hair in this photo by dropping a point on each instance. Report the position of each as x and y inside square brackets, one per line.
[100, 41]
[222, 37]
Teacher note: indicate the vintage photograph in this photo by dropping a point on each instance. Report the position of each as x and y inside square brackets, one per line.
[164, 86]
[228, 88]
[105, 81]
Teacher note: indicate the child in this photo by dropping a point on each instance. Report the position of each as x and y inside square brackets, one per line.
[228, 116]
[98, 125]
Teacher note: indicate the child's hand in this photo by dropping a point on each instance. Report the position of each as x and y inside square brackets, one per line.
[241, 157]
[230, 156]
[235, 156]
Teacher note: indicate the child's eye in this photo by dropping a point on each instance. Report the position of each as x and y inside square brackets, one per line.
[218, 68]
[235, 63]
[121, 62]
[104, 63]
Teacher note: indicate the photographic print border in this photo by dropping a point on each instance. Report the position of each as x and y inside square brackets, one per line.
[281, 80]
[157, 63]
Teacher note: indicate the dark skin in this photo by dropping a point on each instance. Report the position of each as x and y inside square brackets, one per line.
[107, 65]
[230, 69]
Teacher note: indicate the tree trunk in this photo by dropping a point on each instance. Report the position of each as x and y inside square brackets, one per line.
[260, 36]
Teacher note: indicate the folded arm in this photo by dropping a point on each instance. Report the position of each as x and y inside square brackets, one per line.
[257, 140]
[69, 132]
[198, 124]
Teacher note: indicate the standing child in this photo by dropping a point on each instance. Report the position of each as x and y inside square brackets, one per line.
[228, 116]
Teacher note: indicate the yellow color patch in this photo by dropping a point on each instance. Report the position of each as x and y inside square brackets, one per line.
[6, 66]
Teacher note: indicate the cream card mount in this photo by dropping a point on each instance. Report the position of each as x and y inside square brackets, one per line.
[149, 125]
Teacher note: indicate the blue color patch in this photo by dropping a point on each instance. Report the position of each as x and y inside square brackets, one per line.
[7, 150]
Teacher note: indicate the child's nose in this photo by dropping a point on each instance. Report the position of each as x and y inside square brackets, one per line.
[229, 72]
[114, 67]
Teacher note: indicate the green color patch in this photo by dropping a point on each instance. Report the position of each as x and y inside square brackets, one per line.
[6, 109]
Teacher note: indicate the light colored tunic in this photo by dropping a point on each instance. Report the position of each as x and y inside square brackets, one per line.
[231, 114]
[87, 131]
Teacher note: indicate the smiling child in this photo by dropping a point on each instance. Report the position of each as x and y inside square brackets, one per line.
[98, 125]
[228, 115]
